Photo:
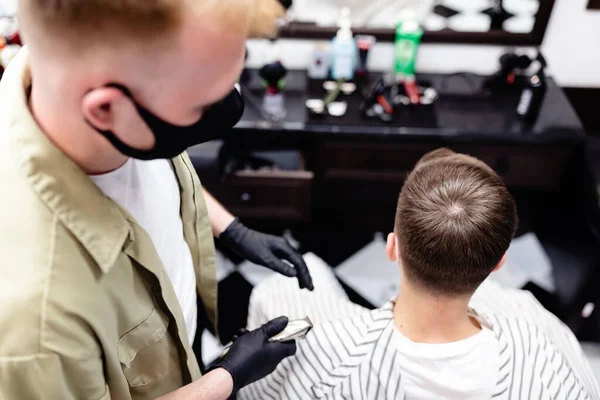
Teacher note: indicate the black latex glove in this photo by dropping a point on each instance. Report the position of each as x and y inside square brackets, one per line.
[268, 251]
[252, 356]
[241, 332]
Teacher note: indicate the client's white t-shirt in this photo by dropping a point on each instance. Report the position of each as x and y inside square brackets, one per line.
[149, 191]
[463, 370]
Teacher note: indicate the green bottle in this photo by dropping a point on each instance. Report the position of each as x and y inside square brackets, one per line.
[408, 39]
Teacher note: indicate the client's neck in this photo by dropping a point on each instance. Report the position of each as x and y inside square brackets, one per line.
[426, 318]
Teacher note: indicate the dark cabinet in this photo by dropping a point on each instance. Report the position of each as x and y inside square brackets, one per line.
[539, 167]
[281, 195]
[368, 161]
[360, 180]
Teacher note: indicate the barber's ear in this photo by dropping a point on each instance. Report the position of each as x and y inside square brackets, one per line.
[98, 107]
[390, 247]
[109, 109]
[501, 263]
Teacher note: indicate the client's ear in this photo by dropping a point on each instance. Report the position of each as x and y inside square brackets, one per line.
[390, 246]
[501, 263]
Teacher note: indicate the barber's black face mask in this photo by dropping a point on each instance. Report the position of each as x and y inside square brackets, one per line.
[172, 140]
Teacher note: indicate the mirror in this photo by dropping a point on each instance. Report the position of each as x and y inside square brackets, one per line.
[514, 22]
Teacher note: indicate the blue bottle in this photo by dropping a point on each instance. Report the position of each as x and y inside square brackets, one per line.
[344, 50]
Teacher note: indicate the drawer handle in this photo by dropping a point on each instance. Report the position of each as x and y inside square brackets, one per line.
[245, 197]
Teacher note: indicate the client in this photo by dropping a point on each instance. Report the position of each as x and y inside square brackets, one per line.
[450, 333]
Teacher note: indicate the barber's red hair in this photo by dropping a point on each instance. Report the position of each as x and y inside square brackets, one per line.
[79, 19]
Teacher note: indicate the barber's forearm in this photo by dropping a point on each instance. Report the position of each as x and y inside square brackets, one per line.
[219, 217]
[216, 385]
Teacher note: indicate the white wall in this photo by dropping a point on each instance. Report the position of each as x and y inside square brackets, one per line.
[8, 5]
[571, 46]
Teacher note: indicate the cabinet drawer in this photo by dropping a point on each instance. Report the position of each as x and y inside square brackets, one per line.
[519, 166]
[539, 167]
[370, 161]
[269, 195]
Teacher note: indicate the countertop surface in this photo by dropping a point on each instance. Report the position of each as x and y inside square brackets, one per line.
[463, 111]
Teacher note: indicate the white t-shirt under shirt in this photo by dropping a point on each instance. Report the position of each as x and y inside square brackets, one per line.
[149, 191]
[462, 370]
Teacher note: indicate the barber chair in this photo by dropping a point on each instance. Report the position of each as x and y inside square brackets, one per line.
[588, 327]
[569, 229]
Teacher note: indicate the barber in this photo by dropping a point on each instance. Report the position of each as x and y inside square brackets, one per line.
[106, 233]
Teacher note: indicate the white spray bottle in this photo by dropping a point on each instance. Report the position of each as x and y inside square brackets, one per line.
[344, 49]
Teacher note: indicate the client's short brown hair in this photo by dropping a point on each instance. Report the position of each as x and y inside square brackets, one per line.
[454, 222]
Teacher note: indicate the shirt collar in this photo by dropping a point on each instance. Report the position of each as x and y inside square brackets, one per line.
[95, 220]
[481, 317]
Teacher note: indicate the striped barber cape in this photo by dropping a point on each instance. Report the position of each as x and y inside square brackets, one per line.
[348, 354]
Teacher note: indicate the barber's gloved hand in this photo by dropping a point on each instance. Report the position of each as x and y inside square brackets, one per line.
[268, 251]
[252, 356]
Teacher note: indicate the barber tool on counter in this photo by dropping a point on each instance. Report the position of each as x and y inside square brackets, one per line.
[533, 93]
[387, 95]
[377, 104]
[533, 88]
[505, 78]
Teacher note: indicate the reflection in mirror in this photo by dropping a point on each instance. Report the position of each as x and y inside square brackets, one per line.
[512, 16]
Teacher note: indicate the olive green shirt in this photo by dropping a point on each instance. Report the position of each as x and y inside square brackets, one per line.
[87, 310]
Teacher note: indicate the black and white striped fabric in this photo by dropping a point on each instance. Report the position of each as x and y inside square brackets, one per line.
[347, 355]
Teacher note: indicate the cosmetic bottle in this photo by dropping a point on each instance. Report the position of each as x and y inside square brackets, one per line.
[343, 50]
[364, 43]
[408, 39]
[319, 65]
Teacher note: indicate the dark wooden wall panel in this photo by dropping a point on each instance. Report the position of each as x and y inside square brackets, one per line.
[593, 4]
[586, 102]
